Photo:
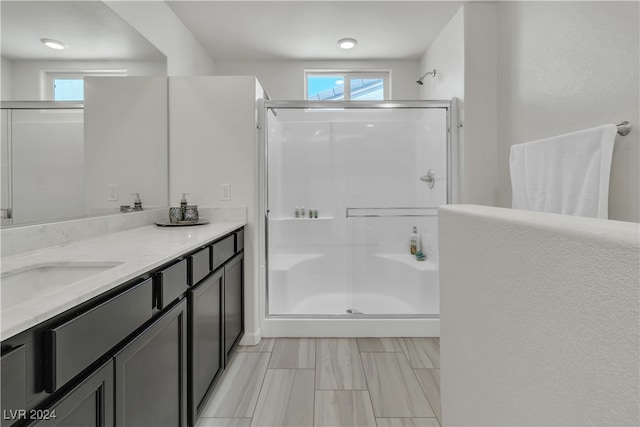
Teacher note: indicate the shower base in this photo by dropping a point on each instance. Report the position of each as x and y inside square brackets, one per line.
[355, 325]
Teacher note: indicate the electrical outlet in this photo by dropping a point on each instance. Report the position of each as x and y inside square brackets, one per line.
[225, 192]
[113, 192]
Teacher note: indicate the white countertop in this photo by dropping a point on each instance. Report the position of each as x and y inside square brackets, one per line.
[136, 251]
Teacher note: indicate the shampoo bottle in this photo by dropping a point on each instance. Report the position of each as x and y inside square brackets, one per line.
[414, 241]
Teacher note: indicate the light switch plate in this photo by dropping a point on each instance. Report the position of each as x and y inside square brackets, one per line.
[113, 192]
[225, 192]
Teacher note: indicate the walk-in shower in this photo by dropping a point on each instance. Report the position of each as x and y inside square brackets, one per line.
[345, 184]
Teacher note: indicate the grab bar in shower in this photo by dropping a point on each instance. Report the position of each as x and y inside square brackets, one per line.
[399, 212]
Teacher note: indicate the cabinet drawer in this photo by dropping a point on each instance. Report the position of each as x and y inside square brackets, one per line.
[76, 344]
[223, 250]
[171, 283]
[200, 265]
[240, 240]
[14, 383]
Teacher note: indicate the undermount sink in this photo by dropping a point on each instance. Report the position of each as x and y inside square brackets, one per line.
[45, 279]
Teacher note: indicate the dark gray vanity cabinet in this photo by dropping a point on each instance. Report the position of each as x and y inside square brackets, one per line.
[205, 332]
[89, 404]
[233, 304]
[145, 353]
[151, 374]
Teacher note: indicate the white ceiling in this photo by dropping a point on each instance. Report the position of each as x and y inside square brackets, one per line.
[91, 30]
[228, 30]
[290, 30]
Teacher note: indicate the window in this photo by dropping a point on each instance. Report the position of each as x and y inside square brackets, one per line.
[69, 85]
[347, 85]
[68, 89]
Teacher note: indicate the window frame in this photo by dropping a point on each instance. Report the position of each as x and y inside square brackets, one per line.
[348, 76]
[49, 77]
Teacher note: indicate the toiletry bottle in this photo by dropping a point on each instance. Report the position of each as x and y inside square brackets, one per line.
[297, 212]
[414, 241]
[303, 212]
[183, 201]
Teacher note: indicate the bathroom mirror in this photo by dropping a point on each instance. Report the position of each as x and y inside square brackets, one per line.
[55, 164]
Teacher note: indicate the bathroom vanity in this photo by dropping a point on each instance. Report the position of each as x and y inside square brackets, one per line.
[139, 340]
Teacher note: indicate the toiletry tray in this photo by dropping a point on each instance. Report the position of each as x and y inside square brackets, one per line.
[181, 223]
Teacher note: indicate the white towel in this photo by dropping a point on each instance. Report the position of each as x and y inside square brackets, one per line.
[567, 174]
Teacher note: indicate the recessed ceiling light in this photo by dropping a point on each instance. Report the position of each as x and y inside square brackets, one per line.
[347, 43]
[53, 44]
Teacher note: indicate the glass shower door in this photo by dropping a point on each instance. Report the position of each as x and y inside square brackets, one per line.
[389, 157]
[365, 171]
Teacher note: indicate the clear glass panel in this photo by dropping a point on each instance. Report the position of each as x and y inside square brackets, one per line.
[325, 87]
[68, 89]
[366, 89]
[360, 169]
[47, 165]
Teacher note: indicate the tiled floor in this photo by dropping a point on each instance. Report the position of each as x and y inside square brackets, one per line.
[330, 382]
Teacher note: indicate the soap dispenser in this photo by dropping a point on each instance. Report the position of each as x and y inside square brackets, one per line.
[137, 203]
[183, 201]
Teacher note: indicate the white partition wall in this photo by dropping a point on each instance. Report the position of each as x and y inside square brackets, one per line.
[360, 169]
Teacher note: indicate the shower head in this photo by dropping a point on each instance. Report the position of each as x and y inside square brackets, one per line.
[420, 81]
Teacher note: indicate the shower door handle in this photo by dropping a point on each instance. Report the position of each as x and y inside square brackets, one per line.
[429, 178]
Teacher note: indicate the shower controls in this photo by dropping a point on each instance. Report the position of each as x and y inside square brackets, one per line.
[429, 178]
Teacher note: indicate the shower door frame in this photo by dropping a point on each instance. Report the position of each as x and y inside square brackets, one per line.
[266, 105]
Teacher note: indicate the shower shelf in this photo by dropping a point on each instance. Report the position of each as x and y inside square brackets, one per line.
[320, 218]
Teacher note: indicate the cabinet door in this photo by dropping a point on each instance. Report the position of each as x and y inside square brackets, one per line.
[233, 303]
[151, 374]
[13, 374]
[88, 404]
[205, 316]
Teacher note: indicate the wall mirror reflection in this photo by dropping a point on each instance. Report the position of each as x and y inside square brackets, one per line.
[69, 147]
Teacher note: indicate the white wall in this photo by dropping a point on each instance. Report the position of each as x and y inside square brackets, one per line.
[465, 58]
[6, 71]
[566, 66]
[539, 319]
[446, 55]
[157, 23]
[212, 141]
[285, 79]
[28, 82]
[125, 141]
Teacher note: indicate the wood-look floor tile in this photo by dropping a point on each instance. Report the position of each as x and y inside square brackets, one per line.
[293, 353]
[429, 380]
[237, 392]
[393, 387]
[265, 345]
[286, 399]
[407, 422]
[343, 408]
[423, 353]
[223, 422]
[338, 365]
[379, 344]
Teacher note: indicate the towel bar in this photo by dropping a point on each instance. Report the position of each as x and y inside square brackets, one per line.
[624, 128]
